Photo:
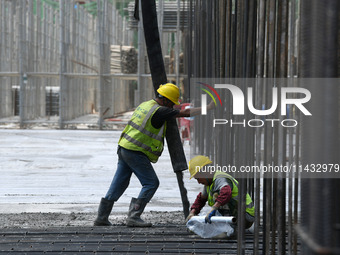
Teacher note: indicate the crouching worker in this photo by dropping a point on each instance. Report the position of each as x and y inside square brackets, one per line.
[220, 190]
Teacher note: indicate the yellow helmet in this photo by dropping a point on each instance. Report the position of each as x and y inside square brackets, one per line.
[197, 163]
[170, 91]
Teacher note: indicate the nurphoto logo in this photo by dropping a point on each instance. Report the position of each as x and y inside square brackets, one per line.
[204, 97]
[289, 97]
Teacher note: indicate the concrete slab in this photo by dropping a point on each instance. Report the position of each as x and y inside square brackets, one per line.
[70, 170]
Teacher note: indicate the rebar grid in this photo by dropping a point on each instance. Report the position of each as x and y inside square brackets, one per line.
[259, 39]
[161, 239]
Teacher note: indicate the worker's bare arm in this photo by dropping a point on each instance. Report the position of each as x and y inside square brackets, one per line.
[217, 205]
[189, 112]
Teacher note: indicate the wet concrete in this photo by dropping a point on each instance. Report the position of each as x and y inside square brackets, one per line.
[70, 170]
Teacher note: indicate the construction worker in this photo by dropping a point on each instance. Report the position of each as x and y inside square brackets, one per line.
[140, 144]
[220, 190]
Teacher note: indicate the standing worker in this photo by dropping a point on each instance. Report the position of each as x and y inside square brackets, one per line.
[220, 190]
[142, 142]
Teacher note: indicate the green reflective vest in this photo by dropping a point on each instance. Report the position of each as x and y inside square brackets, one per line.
[232, 204]
[140, 135]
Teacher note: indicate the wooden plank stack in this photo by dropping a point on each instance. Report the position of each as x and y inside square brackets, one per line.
[123, 59]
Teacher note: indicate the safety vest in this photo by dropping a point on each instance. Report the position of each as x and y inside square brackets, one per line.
[140, 135]
[232, 204]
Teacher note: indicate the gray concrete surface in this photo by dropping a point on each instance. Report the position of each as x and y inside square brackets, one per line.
[68, 171]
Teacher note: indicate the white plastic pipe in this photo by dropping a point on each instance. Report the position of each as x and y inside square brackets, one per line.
[221, 219]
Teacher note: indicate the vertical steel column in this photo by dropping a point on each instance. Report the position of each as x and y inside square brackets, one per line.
[208, 69]
[259, 99]
[100, 38]
[196, 60]
[3, 87]
[241, 134]
[320, 39]
[141, 55]
[292, 40]
[62, 67]
[229, 16]
[251, 73]
[296, 187]
[29, 107]
[292, 179]
[233, 34]
[12, 56]
[209, 43]
[282, 71]
[200, 38]
[107, 106]
[222, 8]
[290, 194]
[268, 134]
[22, 61]
[75, 90]
[251, 34]
[221, 18]
[217, 54]
[190, 50]
[67, 90]
[178, 33]
[230, 53]
[197, 31]
[2, 38]
[39, 49]
[335, 216]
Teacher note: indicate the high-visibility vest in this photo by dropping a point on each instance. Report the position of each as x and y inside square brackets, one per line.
[232, 204]
[140, 135]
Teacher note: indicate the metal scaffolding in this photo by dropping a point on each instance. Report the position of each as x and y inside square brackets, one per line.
[57, 55]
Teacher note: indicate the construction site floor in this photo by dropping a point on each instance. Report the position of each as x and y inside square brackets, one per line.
[160, 239]
[50, 187]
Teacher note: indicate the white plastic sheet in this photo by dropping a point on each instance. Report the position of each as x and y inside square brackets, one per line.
[219, 225]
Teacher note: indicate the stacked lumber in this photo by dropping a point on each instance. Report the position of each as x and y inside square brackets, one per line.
[123, 59]
[115, 59]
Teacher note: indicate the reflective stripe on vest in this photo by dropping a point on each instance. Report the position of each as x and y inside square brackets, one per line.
[142, 145]
[142, 129]
[140, 135]
[211, 200]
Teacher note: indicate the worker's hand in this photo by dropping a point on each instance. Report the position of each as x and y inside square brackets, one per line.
[210, 214]
[211, 105]
[191, 214]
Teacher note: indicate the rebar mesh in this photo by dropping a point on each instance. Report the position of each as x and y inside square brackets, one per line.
[260, 39]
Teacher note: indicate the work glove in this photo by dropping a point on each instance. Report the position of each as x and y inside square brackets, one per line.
[191, 214]
[210, 214]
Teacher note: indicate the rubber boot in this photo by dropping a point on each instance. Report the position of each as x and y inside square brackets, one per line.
[136, 209]
[104, 211]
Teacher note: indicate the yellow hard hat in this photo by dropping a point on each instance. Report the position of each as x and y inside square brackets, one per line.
[170, 91]
[196, 163]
